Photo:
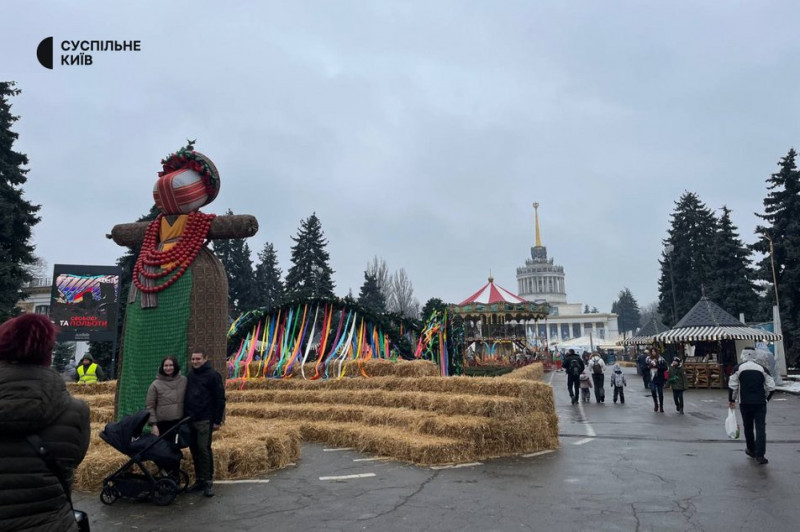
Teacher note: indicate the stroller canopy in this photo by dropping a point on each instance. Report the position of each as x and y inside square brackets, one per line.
[126, 436]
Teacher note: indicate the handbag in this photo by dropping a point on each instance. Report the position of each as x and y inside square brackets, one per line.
[81, 518]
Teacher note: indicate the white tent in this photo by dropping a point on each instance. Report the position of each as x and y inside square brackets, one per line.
[583, 343]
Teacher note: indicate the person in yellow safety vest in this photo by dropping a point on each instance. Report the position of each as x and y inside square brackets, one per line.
[88, 371]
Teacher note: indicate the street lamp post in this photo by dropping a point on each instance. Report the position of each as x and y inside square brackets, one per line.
[668, 249]
[776, 312]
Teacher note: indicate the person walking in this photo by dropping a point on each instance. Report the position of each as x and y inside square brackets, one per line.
[205, 404]
[165, 397]
[598, 367]
[586, 385]
[88, 371]
[644, 370]
[37, 411]
[618, 382]
[574, 366]
[677, 382]
[753, 386]
[657, 366]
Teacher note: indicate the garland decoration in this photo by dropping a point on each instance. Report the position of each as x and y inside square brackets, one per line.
[154, 264]
[186, 157]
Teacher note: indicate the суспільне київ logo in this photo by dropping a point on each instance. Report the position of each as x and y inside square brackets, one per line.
[44, 53]
[80, 52]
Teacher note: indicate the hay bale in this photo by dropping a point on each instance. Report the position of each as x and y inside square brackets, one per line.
[102, 414]
[97, 400]
[533, 372]
[442, 403]
[105, 387]
[376, 367]
[626, 364]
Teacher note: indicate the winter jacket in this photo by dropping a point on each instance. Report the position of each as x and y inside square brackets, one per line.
[657, 367]
[751, 383]
[586, 381]
[618, 378]
[677, 378]
[34, 400]
[165, 398]
[567, 365]
[205, 395]
[596, 359]
[90, 374]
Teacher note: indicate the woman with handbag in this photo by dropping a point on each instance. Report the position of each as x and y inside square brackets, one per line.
[44, 431]
[657, 366]
[165, 397]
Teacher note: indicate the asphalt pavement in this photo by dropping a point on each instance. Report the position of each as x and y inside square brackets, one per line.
[619, 467]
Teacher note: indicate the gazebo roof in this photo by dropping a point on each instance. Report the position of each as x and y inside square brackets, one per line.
[492, 293]
[646, 333]
[706, 313]
[708, 322]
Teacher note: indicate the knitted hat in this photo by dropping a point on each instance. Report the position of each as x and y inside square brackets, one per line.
[28, 339]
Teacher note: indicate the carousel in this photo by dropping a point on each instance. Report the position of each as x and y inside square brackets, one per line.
[495, 325]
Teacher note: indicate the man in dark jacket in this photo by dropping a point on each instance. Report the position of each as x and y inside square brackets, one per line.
[35, 400]
[574, 366]
[205, 404]
[644, 369]
[754, 387]
[88, 371]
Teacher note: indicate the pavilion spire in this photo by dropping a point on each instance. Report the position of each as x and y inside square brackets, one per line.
[536, 216]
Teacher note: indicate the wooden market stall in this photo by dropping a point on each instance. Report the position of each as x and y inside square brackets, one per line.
[709, 340]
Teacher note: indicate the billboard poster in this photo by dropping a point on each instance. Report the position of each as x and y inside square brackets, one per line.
[85, 302]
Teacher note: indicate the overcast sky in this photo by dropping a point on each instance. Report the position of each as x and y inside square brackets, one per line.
[420, 132]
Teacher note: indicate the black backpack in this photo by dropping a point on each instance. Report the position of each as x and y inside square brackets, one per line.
[597, 368]
[575, 367]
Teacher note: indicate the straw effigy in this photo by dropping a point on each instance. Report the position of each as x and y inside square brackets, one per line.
[425, 420]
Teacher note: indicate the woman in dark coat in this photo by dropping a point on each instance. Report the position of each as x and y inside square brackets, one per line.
[35, 400]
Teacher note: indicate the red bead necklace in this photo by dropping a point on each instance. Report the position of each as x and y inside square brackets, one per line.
[174, 261]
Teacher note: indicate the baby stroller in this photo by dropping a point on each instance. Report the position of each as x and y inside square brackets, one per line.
[162, 487]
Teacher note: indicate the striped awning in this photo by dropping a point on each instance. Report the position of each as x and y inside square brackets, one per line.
[637, 340]
[710, 333]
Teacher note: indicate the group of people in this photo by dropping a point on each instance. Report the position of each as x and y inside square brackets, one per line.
[45, 432]
[583, 376]
[200, 396]
[656, 373]
[751, 383]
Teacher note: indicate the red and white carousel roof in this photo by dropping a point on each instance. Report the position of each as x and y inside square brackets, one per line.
[491, 293]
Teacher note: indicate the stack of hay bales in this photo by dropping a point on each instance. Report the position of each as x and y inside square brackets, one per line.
[425, 420]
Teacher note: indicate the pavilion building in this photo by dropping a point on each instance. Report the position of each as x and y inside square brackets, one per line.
[541, 280]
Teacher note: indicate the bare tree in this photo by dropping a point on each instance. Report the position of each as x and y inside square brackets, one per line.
[377, 268]
[647, 312]
[402, 297]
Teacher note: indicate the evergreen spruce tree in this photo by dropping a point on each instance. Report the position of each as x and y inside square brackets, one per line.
[101, 351]
[17, 215]
[269, 286]
[378, 268]
[235, 255]
[627, 310]
[62, 354]
[733, 286]
[432, 304]
[782, 225]
[693, 236]
[370, 295]
[310, 275]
